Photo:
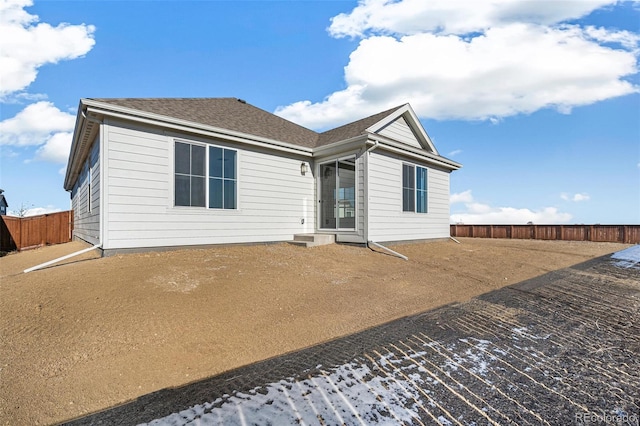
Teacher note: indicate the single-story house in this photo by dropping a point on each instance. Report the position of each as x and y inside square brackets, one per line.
[151, 173]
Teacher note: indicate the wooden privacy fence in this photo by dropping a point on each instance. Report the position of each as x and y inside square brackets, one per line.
[629, 234]
[21, 233]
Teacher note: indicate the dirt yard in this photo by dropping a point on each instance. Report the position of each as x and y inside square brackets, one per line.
[95, 332]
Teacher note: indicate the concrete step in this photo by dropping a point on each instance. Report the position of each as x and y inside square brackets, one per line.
[312, 240]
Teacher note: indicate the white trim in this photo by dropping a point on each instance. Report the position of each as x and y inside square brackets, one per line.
[412, 152]
[104, 195]
[206, 147]
[413, 121]
[415, 189]
[319, 192]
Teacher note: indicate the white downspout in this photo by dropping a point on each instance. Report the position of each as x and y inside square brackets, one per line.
[51, 262]
[366, 219]
[77, 253]
[395, 253]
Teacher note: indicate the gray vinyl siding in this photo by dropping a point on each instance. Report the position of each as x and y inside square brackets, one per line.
[272, 195]
[86, 223]
[400, 131]
[386, 220]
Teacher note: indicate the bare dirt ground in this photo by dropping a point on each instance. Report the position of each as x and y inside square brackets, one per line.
[93, 333]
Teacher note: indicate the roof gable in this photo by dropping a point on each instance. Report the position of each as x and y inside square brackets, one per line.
[353, 129]
[403, 125]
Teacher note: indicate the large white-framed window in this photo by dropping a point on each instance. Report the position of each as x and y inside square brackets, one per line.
[414, 189]
[205, 176]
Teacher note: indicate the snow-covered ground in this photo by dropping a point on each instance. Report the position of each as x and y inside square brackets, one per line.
[629, 258]
[394, 392]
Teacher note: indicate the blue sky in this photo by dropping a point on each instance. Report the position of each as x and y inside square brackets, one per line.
[538, 100]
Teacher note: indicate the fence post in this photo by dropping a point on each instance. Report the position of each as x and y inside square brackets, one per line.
[21, 233]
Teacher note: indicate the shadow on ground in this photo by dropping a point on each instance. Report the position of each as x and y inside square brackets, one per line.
[561, 348]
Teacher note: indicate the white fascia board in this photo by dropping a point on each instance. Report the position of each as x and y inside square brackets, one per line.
[341, 146]
[192, 127]
[414, 121]
[409, 151]
[78, 130]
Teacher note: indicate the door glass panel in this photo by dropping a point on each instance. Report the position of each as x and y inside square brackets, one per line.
[346, 194]
[328, 196]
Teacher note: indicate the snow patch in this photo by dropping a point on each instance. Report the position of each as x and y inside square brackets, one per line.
[628, 258]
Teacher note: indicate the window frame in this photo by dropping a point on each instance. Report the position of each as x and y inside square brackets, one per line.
[207, 176]
[415, 190]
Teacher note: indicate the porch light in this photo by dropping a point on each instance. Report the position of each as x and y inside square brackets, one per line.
[304, 168]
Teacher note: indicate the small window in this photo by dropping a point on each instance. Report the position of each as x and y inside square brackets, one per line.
[414, 189]
[202, 183]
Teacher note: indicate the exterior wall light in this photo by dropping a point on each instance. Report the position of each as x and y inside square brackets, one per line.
[304, 168]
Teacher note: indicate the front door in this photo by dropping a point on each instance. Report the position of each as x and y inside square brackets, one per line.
[338, 194]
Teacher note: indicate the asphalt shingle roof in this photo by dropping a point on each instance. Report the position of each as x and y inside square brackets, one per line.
[353, 129]
[236, 115]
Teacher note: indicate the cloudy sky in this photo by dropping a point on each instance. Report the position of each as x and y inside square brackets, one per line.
[539, 100]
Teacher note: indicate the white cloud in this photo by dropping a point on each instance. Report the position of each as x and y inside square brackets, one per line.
[35, 124]
[483, 214]
[452, 17]
[421, 52]
[461, 197]
[28, 44]
[575, 197]
[42, 125]
[454, 152]
[56, 148]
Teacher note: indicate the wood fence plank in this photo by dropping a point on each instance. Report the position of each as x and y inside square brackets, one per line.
[628, 234]
[35, 231]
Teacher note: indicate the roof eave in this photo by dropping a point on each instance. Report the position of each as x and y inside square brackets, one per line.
[194, 127]
[73, 152]
[403, 149]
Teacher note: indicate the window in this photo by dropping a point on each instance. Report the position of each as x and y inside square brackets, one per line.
[222, 178]
[190, 182]
[205, 177]
[89, 189]
[414, 189]
[421, 190]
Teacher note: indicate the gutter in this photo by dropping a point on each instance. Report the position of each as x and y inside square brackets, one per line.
[415, 153]
[371, 148]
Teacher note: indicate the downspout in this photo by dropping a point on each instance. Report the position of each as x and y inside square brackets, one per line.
[51, 262]
[374, 146]
[395, 253]
[102, 174]
[366, 218]
[77, 253]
